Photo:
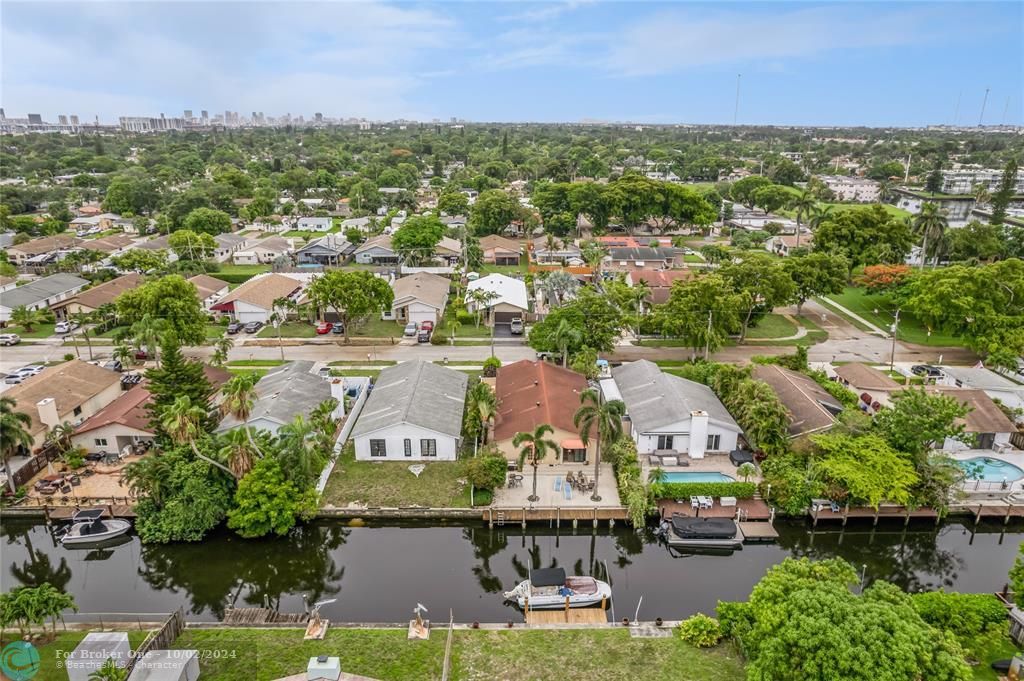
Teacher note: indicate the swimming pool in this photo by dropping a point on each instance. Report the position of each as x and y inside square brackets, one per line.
[990, 470]
[709, 476]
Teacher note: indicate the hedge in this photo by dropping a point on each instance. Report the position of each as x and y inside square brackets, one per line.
[962, 614]
[235, 277]
[684, 490]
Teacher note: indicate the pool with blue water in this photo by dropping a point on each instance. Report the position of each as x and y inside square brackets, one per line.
[987, 469]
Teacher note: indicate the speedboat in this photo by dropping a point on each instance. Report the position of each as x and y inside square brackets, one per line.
[550, 589]
[89, 527]
[710, 533]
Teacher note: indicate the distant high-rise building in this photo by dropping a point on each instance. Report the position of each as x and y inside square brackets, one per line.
[35, 119]
[319, 117]
[62, 119]
[74, 119]
[206, 115]
[3, 116]
[188, 113]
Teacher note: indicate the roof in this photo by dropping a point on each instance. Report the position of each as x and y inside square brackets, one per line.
[540, 245]
[284, 393]
[984, 416]
[108, 244]
[206, 285]
[316, 220]
[229, 239]
[979, 377]
[417, 393]
[270, 243]
[333, 242]
[107, 292]
[530, 393]
[660, 281]
[789, 240]
[41, 289]
[507, 290]
[70, 384]
[802, 397]
[449, 244]
[263, 290]
[382, 241]
[642, 253]
[157, 243]
[46, 244]
[863, 377]
[129, 410]
[424, 287]
[498, 242]
[655, 399]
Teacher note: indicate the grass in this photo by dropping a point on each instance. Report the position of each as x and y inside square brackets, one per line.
[487, 268]
[363, 363]
[989, 647]
[215, 331]
[772, 326]
[307, 235]
[900, 378]
[258, 373]
[289, 330]
[517, 655]
[228, 268]
[910, 329]
[38, 330]
[52, 654]
[374, 373]
[389, 483]
[815, 334]
[693, 258]
[254, 363]
[838, 207]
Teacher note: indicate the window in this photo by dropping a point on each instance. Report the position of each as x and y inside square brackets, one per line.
[714, 443]
[408, 447]
[664, 442]
[428, 447]
[378, 448]
[77, 411]
[574, 455]
[101, 442]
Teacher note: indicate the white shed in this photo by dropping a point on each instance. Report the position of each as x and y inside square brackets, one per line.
[93, 652]
[167, 665]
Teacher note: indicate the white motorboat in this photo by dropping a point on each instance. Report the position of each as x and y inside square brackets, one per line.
[550, 588]
[89, 527]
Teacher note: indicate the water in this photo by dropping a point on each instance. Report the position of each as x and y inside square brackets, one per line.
[709, 476]
[378, 574]
[990, 470]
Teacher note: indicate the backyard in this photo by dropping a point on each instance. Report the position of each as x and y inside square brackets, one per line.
[911, 330]
[486, 268]
[53, 654]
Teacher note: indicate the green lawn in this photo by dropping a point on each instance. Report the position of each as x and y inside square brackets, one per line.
[258, 373]
[289, 330]
[254, 363]
[228, 268]
[375, 327]
[38, 330]
[486, 268]
[365, 363]
[53, 654]
[837, 207]
[214, 331]
[772, 326]
[693, 258]
[858, 301]
[517, 655]
[989, 647]
[389, 483]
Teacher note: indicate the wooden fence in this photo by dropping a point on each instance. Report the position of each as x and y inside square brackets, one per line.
[161, 639]
[34, 465]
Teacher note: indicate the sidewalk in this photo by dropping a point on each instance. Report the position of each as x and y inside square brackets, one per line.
[857, 318]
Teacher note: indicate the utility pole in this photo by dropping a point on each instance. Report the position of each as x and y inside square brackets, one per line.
[736, 108]
[707, 338]
[895, 328]
[983, 103]
[956, 112]
[906, 175]
[1006, 107]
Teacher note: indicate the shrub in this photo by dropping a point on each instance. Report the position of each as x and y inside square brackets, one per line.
[465, 318]
[735, 618]
[684, 490]
[487, 471]
[491, 366]
[75, 459]
[483, 497]
[438, 337]
[963, 615]
[701, 631]
[68, 356]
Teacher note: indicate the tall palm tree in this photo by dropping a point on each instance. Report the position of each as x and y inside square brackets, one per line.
[804, 205]
[146, 333]
[302, 462]
[26, 318]
[236, 450]
[239, 399]
[981, 193]
[483, 400]
[221, 349]
[281, 308]
[82, 318]
[149, 476]
[183, 423]
[537, 446]
[638, 294]
[602, 418]
[820, 215]
[14, 435]
[123, 354]
[930, 224]
[59, 437]
[565, 336]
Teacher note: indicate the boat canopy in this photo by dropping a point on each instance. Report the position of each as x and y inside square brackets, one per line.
[88, 515]
[686, 527]
[548, 577]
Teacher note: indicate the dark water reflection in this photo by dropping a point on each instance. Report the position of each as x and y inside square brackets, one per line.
[379, 573]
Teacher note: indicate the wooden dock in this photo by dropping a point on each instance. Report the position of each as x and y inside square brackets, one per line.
[568, 616]
[750, 509]
[757, 531]
[109, 511]
[243, 616]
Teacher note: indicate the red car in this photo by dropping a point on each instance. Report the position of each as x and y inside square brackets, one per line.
[323, 327]
[427, 325]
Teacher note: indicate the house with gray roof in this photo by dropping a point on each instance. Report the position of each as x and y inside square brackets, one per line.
[40, 294]
[315, 224]
[330, 249]
[414, 413]
[227, 244]
[671, 413]
[284, 393]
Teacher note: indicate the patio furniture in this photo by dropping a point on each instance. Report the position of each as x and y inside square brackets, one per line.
[558, 484]
[694, 502]
[727, 501]
[706, 502]
[670, 461]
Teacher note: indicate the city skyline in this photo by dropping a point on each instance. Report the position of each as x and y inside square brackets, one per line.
[802, 64]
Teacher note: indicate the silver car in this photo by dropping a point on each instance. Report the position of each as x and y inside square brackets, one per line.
[9, 339]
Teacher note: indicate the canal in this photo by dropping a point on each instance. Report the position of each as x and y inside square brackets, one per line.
[379, 573]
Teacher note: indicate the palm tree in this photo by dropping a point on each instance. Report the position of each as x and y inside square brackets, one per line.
[146, 333]
[565, 336]
[930, 224]
[81, 318]
[236, 450]
[657, 476]
[804, 205]
[221, 349]
[302, 462]
[746, 469]
[14, 435]
[981, 193]
[239, 397]
[182, 422]
[550, 244]
[820, 215]
[26, 318]
[123, 354]
[59, 437]
[602, 418]
[638, 295]
[536, 447]
[281, 307]
[148, 476]
[485, 403]
[109, 672]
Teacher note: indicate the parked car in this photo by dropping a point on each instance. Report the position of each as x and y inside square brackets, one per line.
[423, 336]
[338, 328]
[9, 339]
[516, 326]
[141, 355]
[926, 370]
[253, 327]
[234, 327]
[410, 329]
[428, 325]
[113, 365]
[324, 327]
[19, 375]
[66, 327]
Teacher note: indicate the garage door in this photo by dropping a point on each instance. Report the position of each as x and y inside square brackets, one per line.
[420, 317]
[506, 317]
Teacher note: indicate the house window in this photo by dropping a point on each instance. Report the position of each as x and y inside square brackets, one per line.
[574, 455]
[77, 411]
[408, 447]
[665, 442]
[428, 448]
[101, 442]
[378, 448]
[714, 443]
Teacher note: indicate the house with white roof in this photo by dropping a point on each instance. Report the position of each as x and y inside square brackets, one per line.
[1010, 393]
[505, 298]
[314, 224]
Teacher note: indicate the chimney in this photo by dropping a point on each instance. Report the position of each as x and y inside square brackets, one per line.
[338, 393]
[698, 434]
[48, 413]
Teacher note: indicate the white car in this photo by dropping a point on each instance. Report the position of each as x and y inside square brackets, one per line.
[9, 339]
[21, 374]
[66, 327]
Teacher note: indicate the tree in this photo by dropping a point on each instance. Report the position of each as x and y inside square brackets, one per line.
[565, 335]
[267, 502]
[416, 240]
[535, 445]
[27, 318]
[702, 311]
[786, 172]
[743, 190]
[189, 245]
[141, 260]
[14, 435]
[585, 362]
[804, 206]
[816, 274]
[916, 421]
[350, 294]
[865, 236]
[764, 283]
[222, 347]
[1017, 575]
[1002, 197]
[883, 278]
[301, 462]
[930, 225]
[171, 299]
[492, 212]
[487, 471]
[772, 197]
[239, 398]
[597, 319]
[176, 377]
[976, 241]
[933, 183]
[867, 467]
[207, 220]
[183, 422]
[604, 420]
[453, 203]
[481, 408]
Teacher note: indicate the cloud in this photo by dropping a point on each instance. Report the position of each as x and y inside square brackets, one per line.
[545, 11]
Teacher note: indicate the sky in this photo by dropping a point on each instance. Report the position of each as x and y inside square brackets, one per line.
[800, 63]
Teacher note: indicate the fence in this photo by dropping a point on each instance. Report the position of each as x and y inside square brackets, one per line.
[161, 639]
[346, 429]
[34, 465]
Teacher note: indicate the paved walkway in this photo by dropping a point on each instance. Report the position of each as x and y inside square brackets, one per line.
[852, 315]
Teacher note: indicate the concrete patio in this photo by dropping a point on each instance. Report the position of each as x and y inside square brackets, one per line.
[516, 497]
[712, 463]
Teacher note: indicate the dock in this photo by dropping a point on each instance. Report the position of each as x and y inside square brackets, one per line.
[757, 531]
[243, 616]
[568, 616]
[109, 511]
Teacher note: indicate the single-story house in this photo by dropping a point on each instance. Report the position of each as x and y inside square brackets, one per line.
[282, 394]
[419, 297]
[643, 258]
[36, 247]
[92, 299]
[414, 413]
[263, 252]
[872, 386]
[377, 251]
[253, 301]
[228, 244]
[209, 289]
[159, 243]
[995, 386]
[811, 408]
[988, 424]
[497, 250]
[784, 244]
[658, 281]
[103, 221]
[669, 412]
[128, 225]
[530, 393]
[115, 244]
[561, 252]
[314, 224]
[507, 300]
[330, 249]
[40, 294]
[362, 224]
[67, 393]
